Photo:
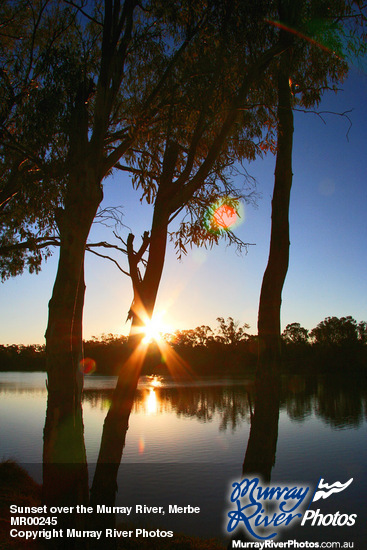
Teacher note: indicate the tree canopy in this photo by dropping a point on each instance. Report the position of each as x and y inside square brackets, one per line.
[147, 75]
[334, 331]
[294, 333]
[91, 75]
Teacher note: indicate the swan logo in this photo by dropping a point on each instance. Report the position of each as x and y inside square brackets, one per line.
[323, 490]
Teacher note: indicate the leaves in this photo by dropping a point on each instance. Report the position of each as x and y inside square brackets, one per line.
[334, 331]
[172, 74]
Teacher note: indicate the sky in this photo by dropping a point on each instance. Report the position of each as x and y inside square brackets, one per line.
[327, 273]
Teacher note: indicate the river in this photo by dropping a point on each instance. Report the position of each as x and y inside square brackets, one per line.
[186, 444]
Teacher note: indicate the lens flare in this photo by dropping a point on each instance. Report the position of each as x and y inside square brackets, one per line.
[87, 365]
[223, 215]
[329, 37]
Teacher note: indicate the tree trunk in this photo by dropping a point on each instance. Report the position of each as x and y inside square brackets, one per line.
[261, 448]
[116, 423]
[276, 270]
[65, 479]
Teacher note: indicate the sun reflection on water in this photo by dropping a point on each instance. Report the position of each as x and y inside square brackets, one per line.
[141, 446]
[156, 382]
[151, 402]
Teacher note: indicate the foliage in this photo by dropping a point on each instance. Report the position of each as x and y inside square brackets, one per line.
[341, 332]
[92, 78]
[21, 357]
[30, 100]
[176, 77]
[362, 332]
[230, 333]
[295, 334]
[200, 336]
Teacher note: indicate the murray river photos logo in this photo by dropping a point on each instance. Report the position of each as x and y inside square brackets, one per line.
[263, 511]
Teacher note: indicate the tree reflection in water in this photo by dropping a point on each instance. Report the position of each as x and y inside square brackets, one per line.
[339, 403]
[262, 443]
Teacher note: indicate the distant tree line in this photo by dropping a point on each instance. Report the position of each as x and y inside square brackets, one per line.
[227, 349]
[17, 357]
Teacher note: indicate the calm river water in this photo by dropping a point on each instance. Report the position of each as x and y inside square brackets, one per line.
[186, 444]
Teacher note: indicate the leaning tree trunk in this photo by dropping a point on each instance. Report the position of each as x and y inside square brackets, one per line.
[276, 270]
[116, 423]
[261, 447]
[65, 480]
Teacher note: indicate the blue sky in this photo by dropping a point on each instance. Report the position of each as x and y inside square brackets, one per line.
[328, 262]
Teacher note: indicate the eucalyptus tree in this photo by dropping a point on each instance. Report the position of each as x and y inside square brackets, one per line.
[215, 119]
[294, 333]
[315, 35]
[319, 37]
[82, 81]
[31, 113]
[333, 331]
[100, 83]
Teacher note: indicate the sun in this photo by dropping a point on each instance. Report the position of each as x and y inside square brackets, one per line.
[153, 330]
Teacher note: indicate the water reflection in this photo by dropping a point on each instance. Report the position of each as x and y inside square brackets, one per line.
[340, 406]
[151, 402]
[262, 442]
[190, 435]
[338, 403]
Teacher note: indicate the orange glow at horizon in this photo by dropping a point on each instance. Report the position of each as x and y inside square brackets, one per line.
[153, 330]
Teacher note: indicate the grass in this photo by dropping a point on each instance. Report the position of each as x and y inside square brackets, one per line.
[16, 487]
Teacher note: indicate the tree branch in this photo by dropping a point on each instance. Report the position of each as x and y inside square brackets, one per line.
[108, 258]
[31, 244]
[344, 114]
[252, 73]
[104, 244]
[146, 109]
[84, 13]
